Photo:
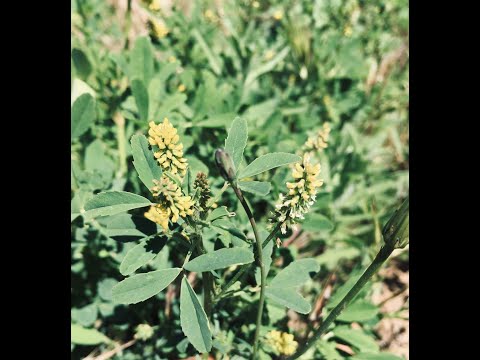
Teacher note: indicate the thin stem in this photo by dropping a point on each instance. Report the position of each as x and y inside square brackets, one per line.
[233, 280]
[246, 268]
[207, 283]
[122, 146]
[263, 276]
[128, 22]
[381, 257]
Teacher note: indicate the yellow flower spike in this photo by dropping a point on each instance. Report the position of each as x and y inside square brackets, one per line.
[282, 343]
[278, 15]
[158, 215]
[157, 29]
[172, 204]
[170, 154]
[154, 5]
[319, 140]
[301, 195]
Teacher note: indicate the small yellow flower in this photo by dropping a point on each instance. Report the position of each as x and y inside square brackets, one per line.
[154, 5]
[157, 29]
[171, 205]
[347, 31]
[281, 343]
[269, 54]
[172, 59]
[181, 88]
[301, 193]
[210, 16]
[158, 215]
[319, 140]
[170, 150]
[278, 15]
[143, 332]
[256, 4]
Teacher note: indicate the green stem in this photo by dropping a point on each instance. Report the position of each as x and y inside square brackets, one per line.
[381, 257]
[207, 284]
[122, 146]
[246, 268]
[259, 257]
[128, 22]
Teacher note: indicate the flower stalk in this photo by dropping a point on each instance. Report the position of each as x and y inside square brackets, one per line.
[395, 238]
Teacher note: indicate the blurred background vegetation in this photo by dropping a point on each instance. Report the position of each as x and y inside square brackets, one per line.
[287, 67]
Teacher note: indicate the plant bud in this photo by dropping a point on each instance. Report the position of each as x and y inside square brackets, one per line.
[396, 231]
[225, 165]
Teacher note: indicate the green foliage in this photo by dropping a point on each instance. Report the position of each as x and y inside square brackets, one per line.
[83, 113]
[193, 319]
[223, 67]
[145, 164]
[220, 259]
[283, 287]
[113, 202]
[141, 287]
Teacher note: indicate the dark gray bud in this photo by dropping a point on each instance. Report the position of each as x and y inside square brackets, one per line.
[225, 165]
[396, 231]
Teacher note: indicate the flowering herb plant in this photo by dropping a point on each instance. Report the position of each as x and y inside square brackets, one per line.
[236, 167]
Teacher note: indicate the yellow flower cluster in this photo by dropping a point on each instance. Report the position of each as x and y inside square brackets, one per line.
[281, 342]
[158, 215]
[172, 204]
[143, 332]
[278, 15]
[319, 140]
[157, 29]
[170, 150]
[301, 193]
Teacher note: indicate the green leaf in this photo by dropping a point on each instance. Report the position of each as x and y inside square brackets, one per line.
[236, 141]
[196, 166]
[141, 287]
[258, 114]
[317, 222]
[358, 311]
[141, 98]
[220, 259]
[104, 288]
[289, 298]
[81, 62]
[124, 227]
[86, 315]
[193, 319]
[283, 288]
[356, 338]
[260, 188]
[267, 162]
[219, 213]
[82, 336]
[96, 160]
[269, 66]
[83, 113]
[144, 162]
[141, 60]
[212, 59]
[216, 120]
[381, 356]
[328, 350]
[141, 254]
[169, 104]
[226, 228]
[113, 202]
